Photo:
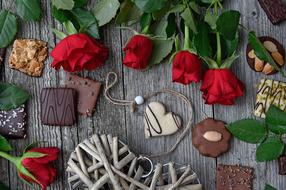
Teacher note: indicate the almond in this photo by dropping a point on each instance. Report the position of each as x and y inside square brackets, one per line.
[258, 64]
[267, 69]
[270, 46]
[213, 136]
[278, 58]
[251, 54]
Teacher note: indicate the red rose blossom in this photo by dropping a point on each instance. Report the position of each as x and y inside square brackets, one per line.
[138, 51]
[41, 168]
[186, 68]
[77, 52]
[221, 86]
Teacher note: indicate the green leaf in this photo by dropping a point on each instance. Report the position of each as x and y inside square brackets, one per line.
[128, 12]
[161, 49]
[63, 4]
[29, 10]
[61, 15]
[171, 26]
[269, 150]
[227, 24]
[276, 120]
[3, 186]
[59, 34]
[261, 52]
[87, 22]
[8, 28]
[105, 10]
[145, 22]
[230, 46]
[248, 130]
[11, 96]
[269, 187]
[211, 19]
[70, 28]
[150, 6]
[4, 145]
[202, 40]
[188, 17]
[80, 3]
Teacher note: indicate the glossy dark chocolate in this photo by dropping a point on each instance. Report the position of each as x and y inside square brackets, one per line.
[275, 10]
[58, 106]
[13, 123]
[282, 165]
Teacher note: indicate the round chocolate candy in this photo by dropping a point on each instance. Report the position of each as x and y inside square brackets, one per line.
[211, 138]
[274, 48]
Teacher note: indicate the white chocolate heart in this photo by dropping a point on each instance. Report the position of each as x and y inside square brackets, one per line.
[158, 122]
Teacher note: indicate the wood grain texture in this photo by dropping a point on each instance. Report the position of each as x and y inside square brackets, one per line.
[129, 127]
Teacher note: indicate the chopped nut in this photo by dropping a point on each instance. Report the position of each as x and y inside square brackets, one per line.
[270, 46]
[212, 136]
[278, 58]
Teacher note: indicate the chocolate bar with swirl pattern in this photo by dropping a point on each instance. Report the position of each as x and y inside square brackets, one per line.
[58, 106]
[269, 92]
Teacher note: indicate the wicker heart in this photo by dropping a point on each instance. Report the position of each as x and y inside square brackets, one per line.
[104, 162]
[158, 122]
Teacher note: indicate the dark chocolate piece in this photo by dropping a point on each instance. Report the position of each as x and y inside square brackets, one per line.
[211, 138]
[275, 10]
[2, 55]
[277, 52]
[58, 106]
[282, 165]
[88, 91]
[230, 177]
[13, 123]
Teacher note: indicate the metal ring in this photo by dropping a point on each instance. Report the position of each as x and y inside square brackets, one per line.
[151, 166]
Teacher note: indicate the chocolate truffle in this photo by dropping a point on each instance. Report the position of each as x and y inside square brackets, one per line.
[230, 177]
[88, 91]
[211, 138]
[58, 106]
[13, 123]
[282, 165]
[274, 48]
[274, 9]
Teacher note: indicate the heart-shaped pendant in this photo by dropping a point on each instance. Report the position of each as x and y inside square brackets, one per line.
[158, 122]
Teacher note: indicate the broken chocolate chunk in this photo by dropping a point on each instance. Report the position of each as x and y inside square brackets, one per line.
[275, 10]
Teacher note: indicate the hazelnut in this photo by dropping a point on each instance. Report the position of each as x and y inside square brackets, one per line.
[270, 46]
[213, 136]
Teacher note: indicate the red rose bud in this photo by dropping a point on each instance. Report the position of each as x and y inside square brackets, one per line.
[41, 167]
[186, 68]
[77, 52]
[221, 86]
[138, 52]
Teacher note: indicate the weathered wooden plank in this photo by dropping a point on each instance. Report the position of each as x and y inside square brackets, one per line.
[141, 83]
[36, 131]
[242, 153]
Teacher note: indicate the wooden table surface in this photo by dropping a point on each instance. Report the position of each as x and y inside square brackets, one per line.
[129, 127]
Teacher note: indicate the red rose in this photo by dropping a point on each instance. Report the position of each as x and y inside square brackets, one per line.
[138, 51]
[40, 168]
[186, 68]
[77, 52]
[220, 86]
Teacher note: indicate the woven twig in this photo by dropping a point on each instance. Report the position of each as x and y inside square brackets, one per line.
[104, 162]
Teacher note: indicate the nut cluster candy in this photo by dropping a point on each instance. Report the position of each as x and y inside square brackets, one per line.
[275, 49]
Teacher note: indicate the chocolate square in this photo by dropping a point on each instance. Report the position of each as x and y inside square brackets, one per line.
[58, 106]
[13, 123]
[230, 177]
[88, 91]
[282, 165]
[274, 9]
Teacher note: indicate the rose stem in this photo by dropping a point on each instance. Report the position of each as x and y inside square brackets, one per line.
[218, 41]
